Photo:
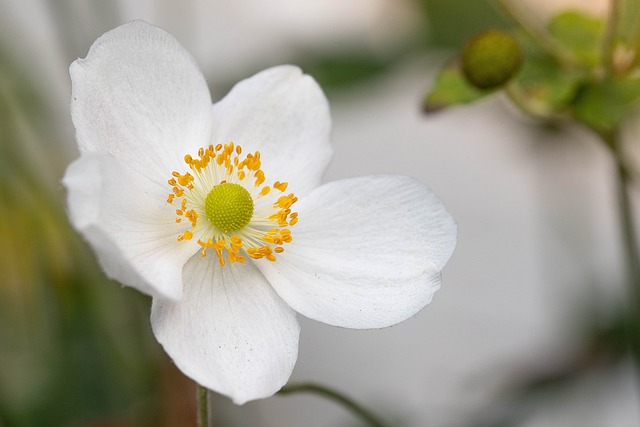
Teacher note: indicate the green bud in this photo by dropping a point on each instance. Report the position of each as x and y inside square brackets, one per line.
[490, 59]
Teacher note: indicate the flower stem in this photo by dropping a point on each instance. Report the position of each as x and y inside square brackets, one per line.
[629, 231]
[356, 409]
[203, 406]
[630, 242]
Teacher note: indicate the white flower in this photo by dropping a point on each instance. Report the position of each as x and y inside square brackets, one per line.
[175, 208]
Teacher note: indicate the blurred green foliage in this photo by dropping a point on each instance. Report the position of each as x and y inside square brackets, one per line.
[451, 88]
[578, 69]
[603, 105]
[577, 72]
[344, 69]
[579, 34]
[74, 347]
[453, 22]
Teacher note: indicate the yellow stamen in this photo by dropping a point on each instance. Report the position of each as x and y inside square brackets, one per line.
[256, 229]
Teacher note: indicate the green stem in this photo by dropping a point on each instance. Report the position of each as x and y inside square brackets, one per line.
[203, 406]
[630, 240]
[629, 236]
[610, 36]
[540, 35]
[529, 107]
[336, 396]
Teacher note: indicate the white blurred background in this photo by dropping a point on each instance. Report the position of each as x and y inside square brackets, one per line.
[535, 277]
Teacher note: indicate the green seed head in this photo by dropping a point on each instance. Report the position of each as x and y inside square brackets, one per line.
[490, 59]
[229, 207]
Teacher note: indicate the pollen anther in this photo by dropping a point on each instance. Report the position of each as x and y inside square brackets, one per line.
[223, 200]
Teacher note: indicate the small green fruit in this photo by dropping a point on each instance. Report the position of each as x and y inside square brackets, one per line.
[490, 59]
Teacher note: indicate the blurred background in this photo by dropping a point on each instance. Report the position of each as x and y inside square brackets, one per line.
[526, 330]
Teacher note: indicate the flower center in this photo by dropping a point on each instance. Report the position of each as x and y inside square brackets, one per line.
[229, 207]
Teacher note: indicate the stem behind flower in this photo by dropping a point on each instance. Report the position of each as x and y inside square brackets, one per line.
[203, 406]
[349, 404]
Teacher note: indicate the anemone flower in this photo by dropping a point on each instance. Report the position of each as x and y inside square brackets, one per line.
[217, 211]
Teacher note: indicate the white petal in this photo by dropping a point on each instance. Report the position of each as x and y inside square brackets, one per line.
[134, 236]
[283, 114]
[366, 253]
[231, 332]
[140, 97]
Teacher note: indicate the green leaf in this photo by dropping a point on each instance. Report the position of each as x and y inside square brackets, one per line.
[603, 105]
[543, 83]
[581, 35]
[451, 88]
